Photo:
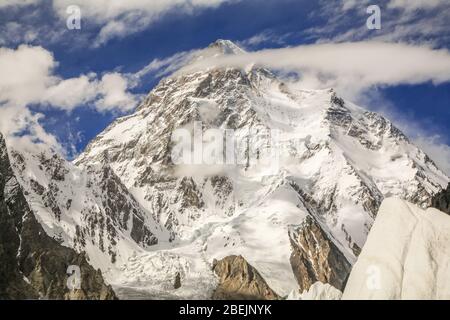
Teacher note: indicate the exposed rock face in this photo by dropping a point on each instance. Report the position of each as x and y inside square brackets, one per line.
[238, 280]
[315, 257]
[33, 264]
[441, 201]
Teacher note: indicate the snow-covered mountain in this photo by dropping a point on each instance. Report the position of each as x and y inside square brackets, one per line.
[154, 227]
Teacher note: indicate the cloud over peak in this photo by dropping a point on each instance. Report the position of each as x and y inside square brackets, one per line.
[351, 67]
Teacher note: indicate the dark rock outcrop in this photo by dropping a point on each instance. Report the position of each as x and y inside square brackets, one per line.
[315, 257]
[238, 280]
[441, 200]
[34, 265]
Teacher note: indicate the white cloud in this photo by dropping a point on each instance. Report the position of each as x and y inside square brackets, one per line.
[9, 3]
[162, 67]
[349, 67]
[264, 37]
[26, 74]
[412, 21]
[410, 5]
[28, 77]
[113, 88]
[119, 18]
[18, 119]
[69, 93]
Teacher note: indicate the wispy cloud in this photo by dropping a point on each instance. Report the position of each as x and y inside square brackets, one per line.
[408, 21]
[350, 67]
[118, 18]
[28, 78]
[266, 37]
[22, 3]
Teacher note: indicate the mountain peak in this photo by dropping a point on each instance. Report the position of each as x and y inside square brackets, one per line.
[226, 47]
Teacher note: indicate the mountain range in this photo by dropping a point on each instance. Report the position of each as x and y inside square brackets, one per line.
[141, 226]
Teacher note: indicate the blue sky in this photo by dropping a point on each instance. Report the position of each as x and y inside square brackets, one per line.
[152, 32]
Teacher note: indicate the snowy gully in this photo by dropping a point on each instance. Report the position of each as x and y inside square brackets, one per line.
[228, 309]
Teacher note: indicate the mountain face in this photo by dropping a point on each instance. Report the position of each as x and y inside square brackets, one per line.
[298, 215]
[35, 265]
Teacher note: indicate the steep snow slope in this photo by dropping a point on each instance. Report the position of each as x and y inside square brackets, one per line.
[149, 223]
[406, 256]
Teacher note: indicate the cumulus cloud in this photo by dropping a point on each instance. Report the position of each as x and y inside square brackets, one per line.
[26, 74]
[162, 67]
[69, 93]
[113, 89]
[119, 18]
[15, 120]
[28, 78]
[265, 37]
[410, 5]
